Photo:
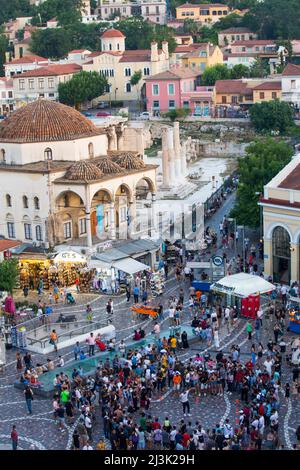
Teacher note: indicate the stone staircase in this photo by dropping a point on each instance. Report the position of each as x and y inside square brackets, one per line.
[181, 191]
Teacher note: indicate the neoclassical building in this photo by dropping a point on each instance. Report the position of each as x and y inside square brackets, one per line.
[64, 180]
[281, 222]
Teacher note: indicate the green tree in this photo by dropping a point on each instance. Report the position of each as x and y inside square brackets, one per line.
[140, 33]
[272, 115]
[191, 26]
[135, 80]
[272, 19]
[11, 9]
[214, 73]
[51, 43]
[3, 49]
[66, 12]
[264, 159]
[8, 275]
[178, 113]
[83, 87]
[239, 71]
[259, 69]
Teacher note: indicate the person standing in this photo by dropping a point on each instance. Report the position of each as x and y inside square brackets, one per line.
[91, 343]
[19, 362]
[184, 399]
[128, 293]
[28, 393]
[14, 438]
[257, 328]
[249, 330]
[76, 350]
[136, 294]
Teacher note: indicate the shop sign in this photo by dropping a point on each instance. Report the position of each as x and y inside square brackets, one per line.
[69, 257]
[217, 260]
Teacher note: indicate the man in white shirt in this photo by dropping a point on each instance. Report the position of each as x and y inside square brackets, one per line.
[184, 399]
[268, 365]
[91, 342]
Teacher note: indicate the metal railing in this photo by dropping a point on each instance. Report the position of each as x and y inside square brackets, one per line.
[87, 328]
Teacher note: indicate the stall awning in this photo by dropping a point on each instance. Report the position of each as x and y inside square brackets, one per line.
[242, 285]
[130, 266]
[98, 264]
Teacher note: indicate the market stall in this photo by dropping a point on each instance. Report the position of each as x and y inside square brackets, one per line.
[244, 291]
[62, 269]
[294, 315]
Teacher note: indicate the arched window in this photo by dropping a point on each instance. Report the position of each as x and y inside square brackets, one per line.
[91, 150]
[11, 232]
[66, 200]
[8, 200]
[2, 156]
[25, 202]
[281, 255]
[36, 202]
[48, 154]
[38, 233]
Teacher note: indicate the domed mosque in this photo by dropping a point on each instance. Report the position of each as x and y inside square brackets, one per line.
[61, 183]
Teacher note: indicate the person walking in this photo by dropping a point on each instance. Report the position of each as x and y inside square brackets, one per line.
[28, 393]
[249, 330]
[257, 328]
[14, 438]
[184, 399]
[19, 362]
[53, 339]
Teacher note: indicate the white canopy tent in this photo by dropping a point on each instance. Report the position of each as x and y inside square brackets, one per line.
[242, 285]
[130, 265]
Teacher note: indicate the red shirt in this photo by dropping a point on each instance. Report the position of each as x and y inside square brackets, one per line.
[14, 435]
[155, 425]
[185, 439]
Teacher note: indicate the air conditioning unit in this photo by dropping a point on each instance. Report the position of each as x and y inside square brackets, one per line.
[46, 245]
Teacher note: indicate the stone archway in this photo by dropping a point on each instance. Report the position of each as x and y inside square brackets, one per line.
[123, 197]
[101, 219]
[281, 253]
[69, 208]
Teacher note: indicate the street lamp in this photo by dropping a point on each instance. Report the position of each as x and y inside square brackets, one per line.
[258, 193]
[242, 227]
[233, 219]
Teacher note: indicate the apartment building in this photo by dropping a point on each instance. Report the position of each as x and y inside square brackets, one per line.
[152, 10]
[208, 13]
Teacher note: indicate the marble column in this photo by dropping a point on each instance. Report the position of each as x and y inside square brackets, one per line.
[112, 221]
[132, 218]
[88, 227]
[268, 257]
[154, 215]
[88, 217]
[141, 144]
[165, 158]
[183, 159]
[171, 155]
[294, 262]
[177, 151]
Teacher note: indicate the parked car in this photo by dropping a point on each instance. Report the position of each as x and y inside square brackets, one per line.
[102, 105]
[145, 115]
[103, 114]
[87, 114]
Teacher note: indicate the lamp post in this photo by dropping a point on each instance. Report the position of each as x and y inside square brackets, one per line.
[233, 219]
[258, 193]
[242, 227]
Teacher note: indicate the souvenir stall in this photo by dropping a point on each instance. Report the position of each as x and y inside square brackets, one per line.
[294, 315]
[242, 290]
[61, 269]
[103, 276]
[157, 283]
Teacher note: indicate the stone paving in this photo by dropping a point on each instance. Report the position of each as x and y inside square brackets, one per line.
[39, 430]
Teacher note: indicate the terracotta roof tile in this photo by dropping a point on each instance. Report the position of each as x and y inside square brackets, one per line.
[113, 33]
[51, 71]
[46, 121]
[27, 59]
[272, 85]
[232, 86]
[7, 244]
[291, 69]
